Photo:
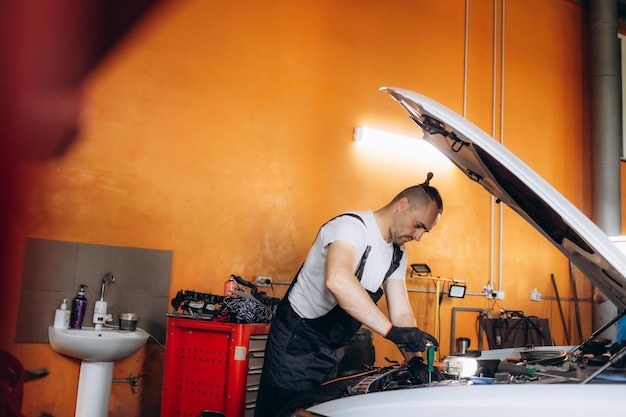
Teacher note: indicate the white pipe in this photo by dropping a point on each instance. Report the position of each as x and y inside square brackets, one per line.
[493, 132]
[492, 232]
[502, 37]
[465, 58]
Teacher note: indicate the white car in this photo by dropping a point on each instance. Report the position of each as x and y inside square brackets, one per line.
[564, 380]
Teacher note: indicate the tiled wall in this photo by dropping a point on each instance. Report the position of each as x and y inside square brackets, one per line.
[53, 270]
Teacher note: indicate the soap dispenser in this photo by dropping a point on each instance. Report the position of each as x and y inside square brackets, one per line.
[62, 316]
[79, 306]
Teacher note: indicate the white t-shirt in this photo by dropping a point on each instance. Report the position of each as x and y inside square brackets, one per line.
[309, 296]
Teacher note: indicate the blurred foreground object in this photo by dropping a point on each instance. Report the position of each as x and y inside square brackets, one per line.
[47, 50]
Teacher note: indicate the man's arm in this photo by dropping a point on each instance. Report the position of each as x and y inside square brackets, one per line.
[400, 309]
[355, 300]
[347, 289]
[398, 303]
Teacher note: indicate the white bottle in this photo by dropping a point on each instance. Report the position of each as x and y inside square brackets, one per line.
[62, 316]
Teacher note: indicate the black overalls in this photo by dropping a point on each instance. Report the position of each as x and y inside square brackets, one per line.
[302, 353]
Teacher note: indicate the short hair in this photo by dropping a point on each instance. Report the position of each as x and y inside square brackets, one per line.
[419, 195]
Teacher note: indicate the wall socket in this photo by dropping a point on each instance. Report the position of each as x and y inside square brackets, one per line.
[496, 295]
[263, 281]
[491, 294]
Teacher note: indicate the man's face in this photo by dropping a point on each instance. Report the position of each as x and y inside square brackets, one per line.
[410, 224]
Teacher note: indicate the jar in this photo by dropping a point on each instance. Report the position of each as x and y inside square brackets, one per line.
[128, 321]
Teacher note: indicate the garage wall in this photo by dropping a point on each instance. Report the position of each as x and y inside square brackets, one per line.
[222, 132]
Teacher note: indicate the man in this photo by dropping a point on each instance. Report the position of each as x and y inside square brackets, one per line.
[336, 291]
[620, 325]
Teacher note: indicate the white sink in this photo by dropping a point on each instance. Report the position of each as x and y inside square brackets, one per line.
[97, 350]
[89, 344]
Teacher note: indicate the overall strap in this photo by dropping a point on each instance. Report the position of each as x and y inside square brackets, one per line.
[395, 260]
[361, 266]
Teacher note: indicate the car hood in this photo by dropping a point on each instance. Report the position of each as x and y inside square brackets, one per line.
[487, 162]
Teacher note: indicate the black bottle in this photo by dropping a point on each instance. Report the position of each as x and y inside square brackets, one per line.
[79, 306]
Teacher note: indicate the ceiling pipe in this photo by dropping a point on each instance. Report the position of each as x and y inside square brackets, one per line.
[606, 113]
[606, 128]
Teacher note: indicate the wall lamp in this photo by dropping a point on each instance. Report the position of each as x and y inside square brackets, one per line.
[420, 270]
[413, 150]
[367, 133]
[456, 291]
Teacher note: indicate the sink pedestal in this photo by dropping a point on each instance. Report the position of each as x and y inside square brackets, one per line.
[94, 389]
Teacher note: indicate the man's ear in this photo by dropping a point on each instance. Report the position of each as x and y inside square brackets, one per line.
[403, 204]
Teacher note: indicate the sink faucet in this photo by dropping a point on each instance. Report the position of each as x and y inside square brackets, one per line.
[111, 278]
[100, 315]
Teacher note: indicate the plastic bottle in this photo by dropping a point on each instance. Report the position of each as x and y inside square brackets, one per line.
[62, 316]
[79, 306]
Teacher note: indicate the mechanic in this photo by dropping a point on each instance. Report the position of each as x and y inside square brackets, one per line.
[336, 291]
[620, 325]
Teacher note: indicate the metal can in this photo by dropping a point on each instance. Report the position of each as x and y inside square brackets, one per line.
[128, 321]
[229, 286]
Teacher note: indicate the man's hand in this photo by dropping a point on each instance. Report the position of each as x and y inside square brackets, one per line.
[411, 339]
[418, 371]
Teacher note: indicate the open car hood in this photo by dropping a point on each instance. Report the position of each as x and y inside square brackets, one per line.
[485, 161]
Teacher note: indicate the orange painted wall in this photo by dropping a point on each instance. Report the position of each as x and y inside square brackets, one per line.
[222, 132]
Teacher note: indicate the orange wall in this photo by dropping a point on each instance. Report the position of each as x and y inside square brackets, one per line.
[223, 132]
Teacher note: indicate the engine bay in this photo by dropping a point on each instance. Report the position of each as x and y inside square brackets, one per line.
[594, 362]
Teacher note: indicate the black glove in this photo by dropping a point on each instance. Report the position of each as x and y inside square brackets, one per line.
[411, 339]
[418, 371]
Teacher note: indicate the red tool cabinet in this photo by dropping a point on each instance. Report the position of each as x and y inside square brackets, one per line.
[212, 366]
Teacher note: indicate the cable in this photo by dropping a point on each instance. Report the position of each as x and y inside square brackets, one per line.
[114, 327]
